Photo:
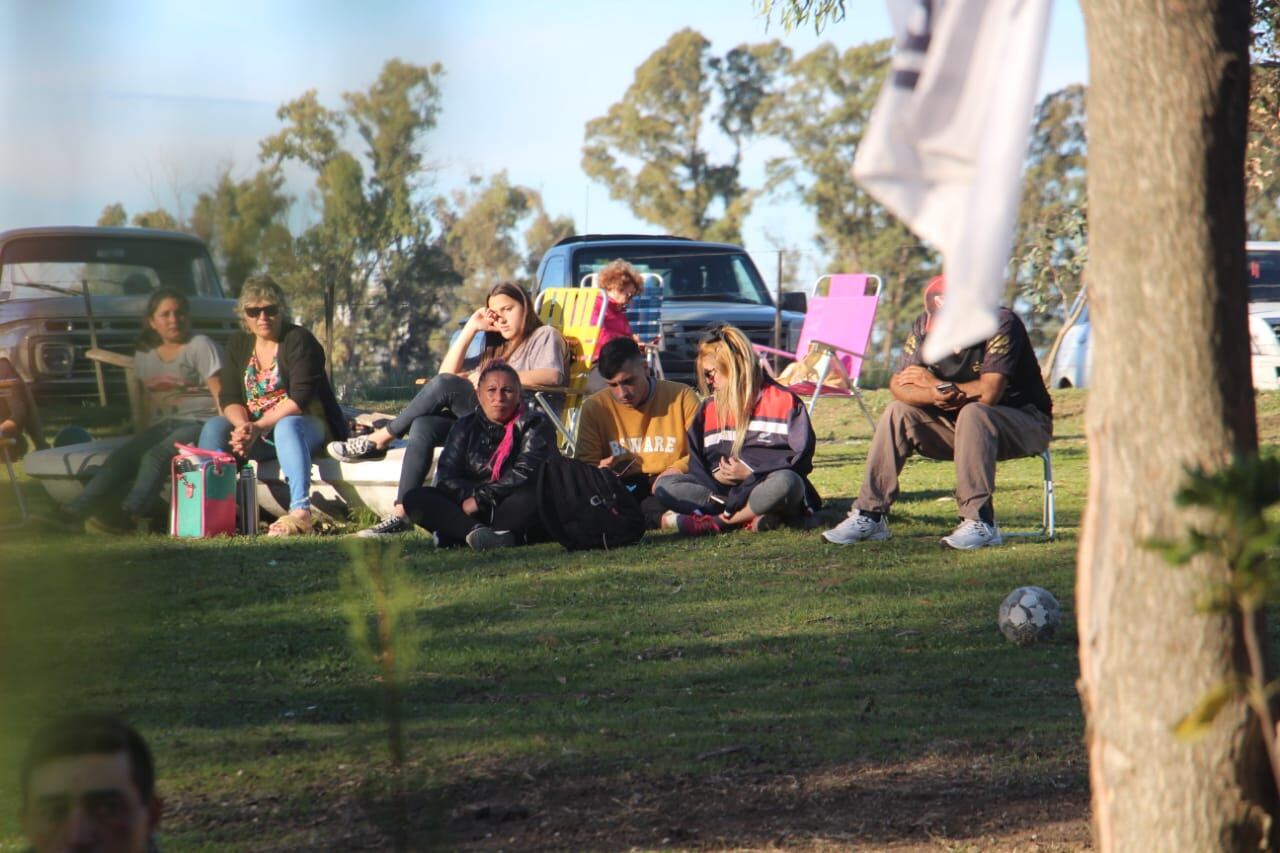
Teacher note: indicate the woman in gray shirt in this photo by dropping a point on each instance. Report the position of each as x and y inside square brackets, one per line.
[513, 334]
[179, 374]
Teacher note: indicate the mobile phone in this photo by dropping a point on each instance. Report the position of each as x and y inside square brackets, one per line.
[945, 387]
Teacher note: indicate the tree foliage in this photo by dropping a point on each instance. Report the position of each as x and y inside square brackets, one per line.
[652, 148]
[113, 216]
[794, 13]
[821, 115]
[495, 231]
[158, 218]
[1262, 166]
[1051, 236]
[245, 224]
[482, 229]
[379, 255]
[375, 243]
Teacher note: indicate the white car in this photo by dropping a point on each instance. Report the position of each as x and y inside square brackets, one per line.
[1071, 370]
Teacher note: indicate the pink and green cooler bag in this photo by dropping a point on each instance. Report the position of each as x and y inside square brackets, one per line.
[204, 493]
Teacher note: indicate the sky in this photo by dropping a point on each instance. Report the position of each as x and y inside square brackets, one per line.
[143, 103]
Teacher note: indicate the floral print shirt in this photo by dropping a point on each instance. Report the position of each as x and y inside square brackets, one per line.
[262, 387]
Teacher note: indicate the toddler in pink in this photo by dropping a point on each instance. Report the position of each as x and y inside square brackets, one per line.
[621, 283]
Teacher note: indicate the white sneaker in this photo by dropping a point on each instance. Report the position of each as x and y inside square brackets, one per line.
[857, 528]
[389, 526]
[971, 534]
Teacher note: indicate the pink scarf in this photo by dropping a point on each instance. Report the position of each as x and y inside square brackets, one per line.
[499, 457]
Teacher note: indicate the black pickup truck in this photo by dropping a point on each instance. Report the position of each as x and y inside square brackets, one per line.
[704, 284]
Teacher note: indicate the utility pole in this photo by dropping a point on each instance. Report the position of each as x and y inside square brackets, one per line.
[777, 308]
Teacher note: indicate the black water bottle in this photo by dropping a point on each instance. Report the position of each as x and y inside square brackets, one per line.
[247, 502]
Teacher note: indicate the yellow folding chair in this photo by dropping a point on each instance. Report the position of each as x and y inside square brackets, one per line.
[645, 316]
[577, 313]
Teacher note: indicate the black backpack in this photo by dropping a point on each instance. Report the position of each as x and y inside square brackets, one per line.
[585, 507]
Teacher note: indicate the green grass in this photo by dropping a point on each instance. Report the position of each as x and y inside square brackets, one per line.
[691, 670]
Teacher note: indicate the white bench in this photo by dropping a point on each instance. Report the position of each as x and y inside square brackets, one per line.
[336, 487]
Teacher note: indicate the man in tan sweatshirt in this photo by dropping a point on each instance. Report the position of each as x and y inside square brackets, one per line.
[636, 425]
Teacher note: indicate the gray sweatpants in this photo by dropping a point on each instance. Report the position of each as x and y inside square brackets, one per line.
[780, 492]
[976, 437]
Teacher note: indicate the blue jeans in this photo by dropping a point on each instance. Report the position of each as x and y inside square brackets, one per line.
[292, 441]
[426, 421]
[143, 460]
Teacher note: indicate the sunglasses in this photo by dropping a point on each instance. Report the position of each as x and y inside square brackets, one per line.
[252, 311]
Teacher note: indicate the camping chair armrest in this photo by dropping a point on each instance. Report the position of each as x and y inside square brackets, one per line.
[540, 399]
[114, 359]
[761, 349]
[839, 348]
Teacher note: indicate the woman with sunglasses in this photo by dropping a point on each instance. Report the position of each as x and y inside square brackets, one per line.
[513, 334]
[178, 372]
[277, 402]
[750, 447]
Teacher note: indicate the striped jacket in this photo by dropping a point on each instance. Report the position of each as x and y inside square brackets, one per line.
[779, 436]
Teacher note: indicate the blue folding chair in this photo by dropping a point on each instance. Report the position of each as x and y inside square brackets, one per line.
[644, 314]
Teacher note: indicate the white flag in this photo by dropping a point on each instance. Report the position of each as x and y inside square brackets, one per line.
[947, 141]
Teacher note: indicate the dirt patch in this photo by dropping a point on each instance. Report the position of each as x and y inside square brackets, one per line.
[935, 803]
[960, 800]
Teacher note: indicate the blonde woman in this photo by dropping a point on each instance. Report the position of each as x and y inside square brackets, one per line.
[276, 400]
[750, 447]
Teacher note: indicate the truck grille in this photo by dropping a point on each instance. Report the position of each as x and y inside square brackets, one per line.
[63, 340]
[680, 345]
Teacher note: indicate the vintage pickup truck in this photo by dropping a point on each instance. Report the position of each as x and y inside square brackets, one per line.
[704, 284]
[66, 290]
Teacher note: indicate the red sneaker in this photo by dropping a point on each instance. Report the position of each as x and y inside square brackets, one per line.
[699, 525]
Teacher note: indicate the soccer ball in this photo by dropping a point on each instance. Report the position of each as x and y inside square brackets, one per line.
[1029, 615]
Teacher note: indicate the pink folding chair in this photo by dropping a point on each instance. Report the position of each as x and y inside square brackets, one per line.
[838, 325]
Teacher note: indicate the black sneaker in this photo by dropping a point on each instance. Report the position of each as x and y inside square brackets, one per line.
[355, 450]
[96, 526]
[486, 539]
[389, 526]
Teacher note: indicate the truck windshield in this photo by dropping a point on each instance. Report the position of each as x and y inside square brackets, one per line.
[698, 273]
[46, 267]
[1264, 275]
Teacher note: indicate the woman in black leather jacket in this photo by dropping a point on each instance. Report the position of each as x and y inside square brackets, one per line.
[486, 479]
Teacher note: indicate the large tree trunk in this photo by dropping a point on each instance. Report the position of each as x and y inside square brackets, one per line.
[1170, 388]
